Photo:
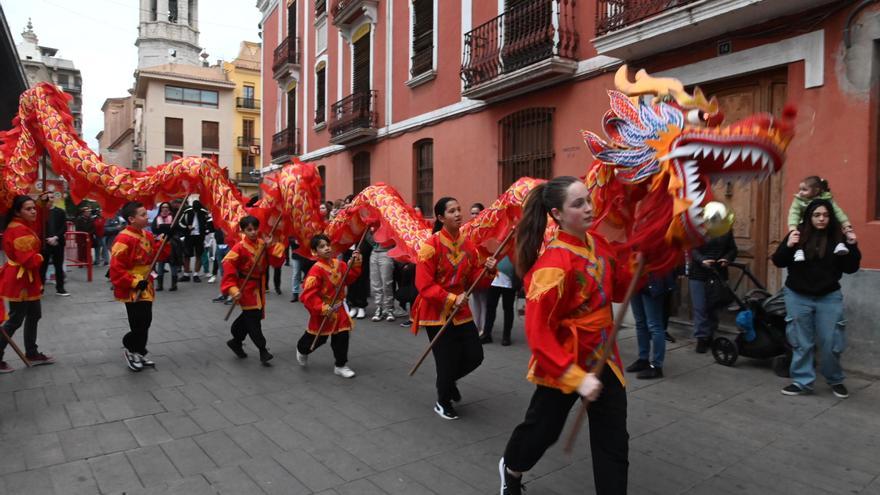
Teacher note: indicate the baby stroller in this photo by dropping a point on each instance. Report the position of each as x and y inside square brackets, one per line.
[761, 324]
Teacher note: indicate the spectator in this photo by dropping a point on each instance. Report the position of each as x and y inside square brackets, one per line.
[648, 307]
[359, 291]
[84, 222]
[220, 253]
[479, 297]
[382, 281]
[163, 225]
[112, 226]
[102, 254]
[504, 287]
[814, 187]
[813, 299]
[195, 219]
[53, 249]
[405, 279]
[300, 266]
[715, 254]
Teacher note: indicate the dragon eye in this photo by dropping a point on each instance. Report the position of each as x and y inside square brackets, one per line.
[695, 117]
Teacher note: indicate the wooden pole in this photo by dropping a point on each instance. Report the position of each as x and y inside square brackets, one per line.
[15, 347]
[251, 271]
[606, 349]
[456, 308]
[140, 293]
[339, 289]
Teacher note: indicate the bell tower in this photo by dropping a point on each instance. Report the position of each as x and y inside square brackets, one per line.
[168, 32]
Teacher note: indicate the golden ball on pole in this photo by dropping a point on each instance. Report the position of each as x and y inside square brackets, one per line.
[718, 218]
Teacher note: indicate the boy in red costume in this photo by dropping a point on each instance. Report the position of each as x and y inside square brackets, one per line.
[130, 265]
[318, 290]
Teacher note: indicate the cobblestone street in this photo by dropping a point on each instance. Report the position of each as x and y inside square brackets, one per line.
[206, 422]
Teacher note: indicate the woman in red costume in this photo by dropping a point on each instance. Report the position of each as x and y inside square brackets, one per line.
[20, 282]
[569, 290]
[448, 264]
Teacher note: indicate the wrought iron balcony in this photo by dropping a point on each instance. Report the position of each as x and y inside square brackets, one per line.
[248, 175]
[246, 142]
[347, 11]
[286, 55]
[247, 103]
[354, 118]
[530, 43]
[615, 14]
[285, 143]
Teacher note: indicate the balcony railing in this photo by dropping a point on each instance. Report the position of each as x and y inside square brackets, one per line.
[612, 15]
[247, 103]
[347, 11]
[524, 35]
[285, 143]
[286, 53]
[354, 112]
[248, 175]
[247, 141]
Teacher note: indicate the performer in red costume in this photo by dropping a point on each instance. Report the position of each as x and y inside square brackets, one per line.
[448, 264]
[569, 290]
[238, 265]
[318, 290]
[131, 261]
[20, 282]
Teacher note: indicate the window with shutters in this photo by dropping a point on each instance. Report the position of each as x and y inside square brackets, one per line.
[422, 37]
[526, 145]
[360, 172]
[361, 65]
[424, 165]
[291, 109]
[173, 132]
[322, 173]
[320, 94]
[320, 8]
[210, 135]
[247, 129]
[291, 19]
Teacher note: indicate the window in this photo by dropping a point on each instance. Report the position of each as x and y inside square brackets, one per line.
[210, 135]
[361, 172]
[424, 165]
[63, 80]
[422, 36]
[153, 9]
[173, 132]
[322, 173]
[247, 130]
[526, 145]
[291, 19]
[291, 109]
[191, 96]
[247, 162]
[320, 94]
[171, 155]
[361, 64]
[172, 10]
[248, 93]
[320, 7]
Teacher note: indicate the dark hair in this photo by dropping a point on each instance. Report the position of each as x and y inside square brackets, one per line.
[349, 198]
[316, 241]
[163, 204]
[815, 242]
[130, 209]
[816, 182]
[478, 206]
[253, 201]
[530, 231]
[17, 204]
[439, 210]
[249, 221]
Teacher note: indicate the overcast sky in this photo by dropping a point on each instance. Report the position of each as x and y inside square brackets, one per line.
[99, 35]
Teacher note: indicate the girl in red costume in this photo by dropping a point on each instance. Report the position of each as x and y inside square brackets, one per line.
[569, 290]
[20, 282]
[448, 264]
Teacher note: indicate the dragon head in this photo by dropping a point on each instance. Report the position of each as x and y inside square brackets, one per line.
[664, 147]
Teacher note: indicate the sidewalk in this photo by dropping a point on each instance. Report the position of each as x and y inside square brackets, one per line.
[205, 422]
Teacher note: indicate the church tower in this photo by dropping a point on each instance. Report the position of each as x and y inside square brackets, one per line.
[168, 33]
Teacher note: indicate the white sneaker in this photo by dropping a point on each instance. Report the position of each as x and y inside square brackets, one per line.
[344, 371]
[147, 363]
[799, 256]
[361, 314]
[377, 316]
[302, 359]
[352, 312]
[841, 249]
[132, 360]
[212, 279]
[389, 317]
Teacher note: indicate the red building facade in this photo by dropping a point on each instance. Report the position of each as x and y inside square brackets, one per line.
[461, 100]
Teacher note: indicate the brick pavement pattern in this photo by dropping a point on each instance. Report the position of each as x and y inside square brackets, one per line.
[205, 422]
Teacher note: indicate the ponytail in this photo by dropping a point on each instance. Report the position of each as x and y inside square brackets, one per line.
[820, 184]
[439, 210]
[530, 231]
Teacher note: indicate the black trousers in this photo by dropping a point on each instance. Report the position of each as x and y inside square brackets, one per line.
[508, 297]
[56, 255]
[338, 342]
[140, 316]
[249, 322]
[456, 354]
[609, 440]
[276, 277]
[29, 313]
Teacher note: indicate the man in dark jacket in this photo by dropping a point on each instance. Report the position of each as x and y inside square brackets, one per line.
[196, 222]
[53, 248]
[714, 255]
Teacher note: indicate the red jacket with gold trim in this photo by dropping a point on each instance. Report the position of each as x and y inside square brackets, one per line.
[238, 263]
[130, 259]
[569, 291]
[446, 268]
[20, 275]
[318, 289]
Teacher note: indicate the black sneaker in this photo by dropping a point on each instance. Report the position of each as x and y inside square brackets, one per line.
[62, 293]
[794, 390]
[294, 298]
[445, 411]
[40, 359]
[650, 373]
[638, 365]
[219, 299]
[184, 278]
[505, 341]
[236, 347]
[265, 356]
[840, 391]
[486, 338]
[278, 290]
[456, 395]
[702, 346]
[510, 484]
[196, 279]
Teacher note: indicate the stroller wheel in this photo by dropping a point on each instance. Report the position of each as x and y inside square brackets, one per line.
[782, 365]
[724, 351]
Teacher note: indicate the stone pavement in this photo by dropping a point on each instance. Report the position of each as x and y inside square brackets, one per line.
[205, 422]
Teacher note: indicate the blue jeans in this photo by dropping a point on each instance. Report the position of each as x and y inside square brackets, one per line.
[161, 269]
[650, 333]
[220, 253]
[705, 317]
[296, 276]
[815, 322]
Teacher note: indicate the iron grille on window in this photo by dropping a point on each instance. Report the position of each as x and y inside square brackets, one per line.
[422, 36]
[424, 155]
[321, 96]
[360, 172]
[526, 145]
